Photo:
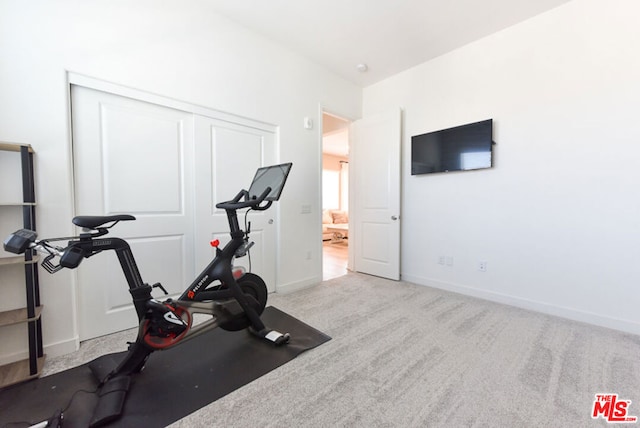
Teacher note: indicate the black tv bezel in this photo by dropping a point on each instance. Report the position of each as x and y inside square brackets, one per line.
[414, 140]
[274, 195]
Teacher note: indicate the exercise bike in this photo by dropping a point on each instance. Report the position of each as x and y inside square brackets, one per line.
[233, 298]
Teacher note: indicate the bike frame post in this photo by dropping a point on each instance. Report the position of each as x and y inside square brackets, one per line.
[220, 269]
[141, 292]
[234, 226]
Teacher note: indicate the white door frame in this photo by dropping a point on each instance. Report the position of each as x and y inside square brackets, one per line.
[350, 248]
[140, 95]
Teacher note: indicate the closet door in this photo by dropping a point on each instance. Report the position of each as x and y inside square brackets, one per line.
[227, 156]
[132, 157]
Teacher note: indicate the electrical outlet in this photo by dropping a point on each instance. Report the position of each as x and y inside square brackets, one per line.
[482, 266]
[449, 261]
[441, 260]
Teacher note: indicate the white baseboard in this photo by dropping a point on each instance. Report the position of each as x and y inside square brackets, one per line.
[62, 348]
[545, 308]
[298, 285]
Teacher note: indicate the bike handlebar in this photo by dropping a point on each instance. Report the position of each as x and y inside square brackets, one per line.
[24, 239]
[253, 203]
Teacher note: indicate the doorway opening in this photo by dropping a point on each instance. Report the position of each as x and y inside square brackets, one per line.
[335, 196]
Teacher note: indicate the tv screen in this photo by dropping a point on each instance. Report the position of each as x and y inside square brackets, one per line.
[273, 176]
[462, 148]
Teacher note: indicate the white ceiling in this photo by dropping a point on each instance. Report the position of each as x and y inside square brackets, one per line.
[388, 35]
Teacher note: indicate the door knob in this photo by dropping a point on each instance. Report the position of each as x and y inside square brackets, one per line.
[270, 221]
[393, 217]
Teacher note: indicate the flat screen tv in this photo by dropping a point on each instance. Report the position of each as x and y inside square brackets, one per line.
[462, 148]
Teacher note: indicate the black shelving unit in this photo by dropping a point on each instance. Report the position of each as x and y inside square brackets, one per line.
[31, 367]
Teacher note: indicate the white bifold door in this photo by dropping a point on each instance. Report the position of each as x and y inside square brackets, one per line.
[168, 168]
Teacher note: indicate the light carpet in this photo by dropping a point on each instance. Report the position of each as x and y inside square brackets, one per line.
[404, 355]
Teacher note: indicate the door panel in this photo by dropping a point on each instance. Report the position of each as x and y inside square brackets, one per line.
[376, 166]
[227, 157]
[139, 140]
[132, 157]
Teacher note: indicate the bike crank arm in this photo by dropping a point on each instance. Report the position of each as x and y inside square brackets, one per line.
[220, 311]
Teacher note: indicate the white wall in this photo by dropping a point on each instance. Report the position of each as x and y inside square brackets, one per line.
[558, 218]
[180, 50]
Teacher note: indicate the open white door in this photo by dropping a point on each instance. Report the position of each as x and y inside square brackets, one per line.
[376, 168]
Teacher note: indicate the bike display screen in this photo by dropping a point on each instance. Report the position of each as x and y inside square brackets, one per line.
[270, 176]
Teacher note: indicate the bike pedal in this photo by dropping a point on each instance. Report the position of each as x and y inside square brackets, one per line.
[277, 338]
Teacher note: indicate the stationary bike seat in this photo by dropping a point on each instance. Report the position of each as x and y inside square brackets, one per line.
[95, 221]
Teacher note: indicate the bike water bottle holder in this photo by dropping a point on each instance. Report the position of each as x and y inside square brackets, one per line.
[20, 241]
[72, 257]
[49, 266]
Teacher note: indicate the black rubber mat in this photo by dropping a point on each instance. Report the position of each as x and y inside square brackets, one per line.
[174, 383]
